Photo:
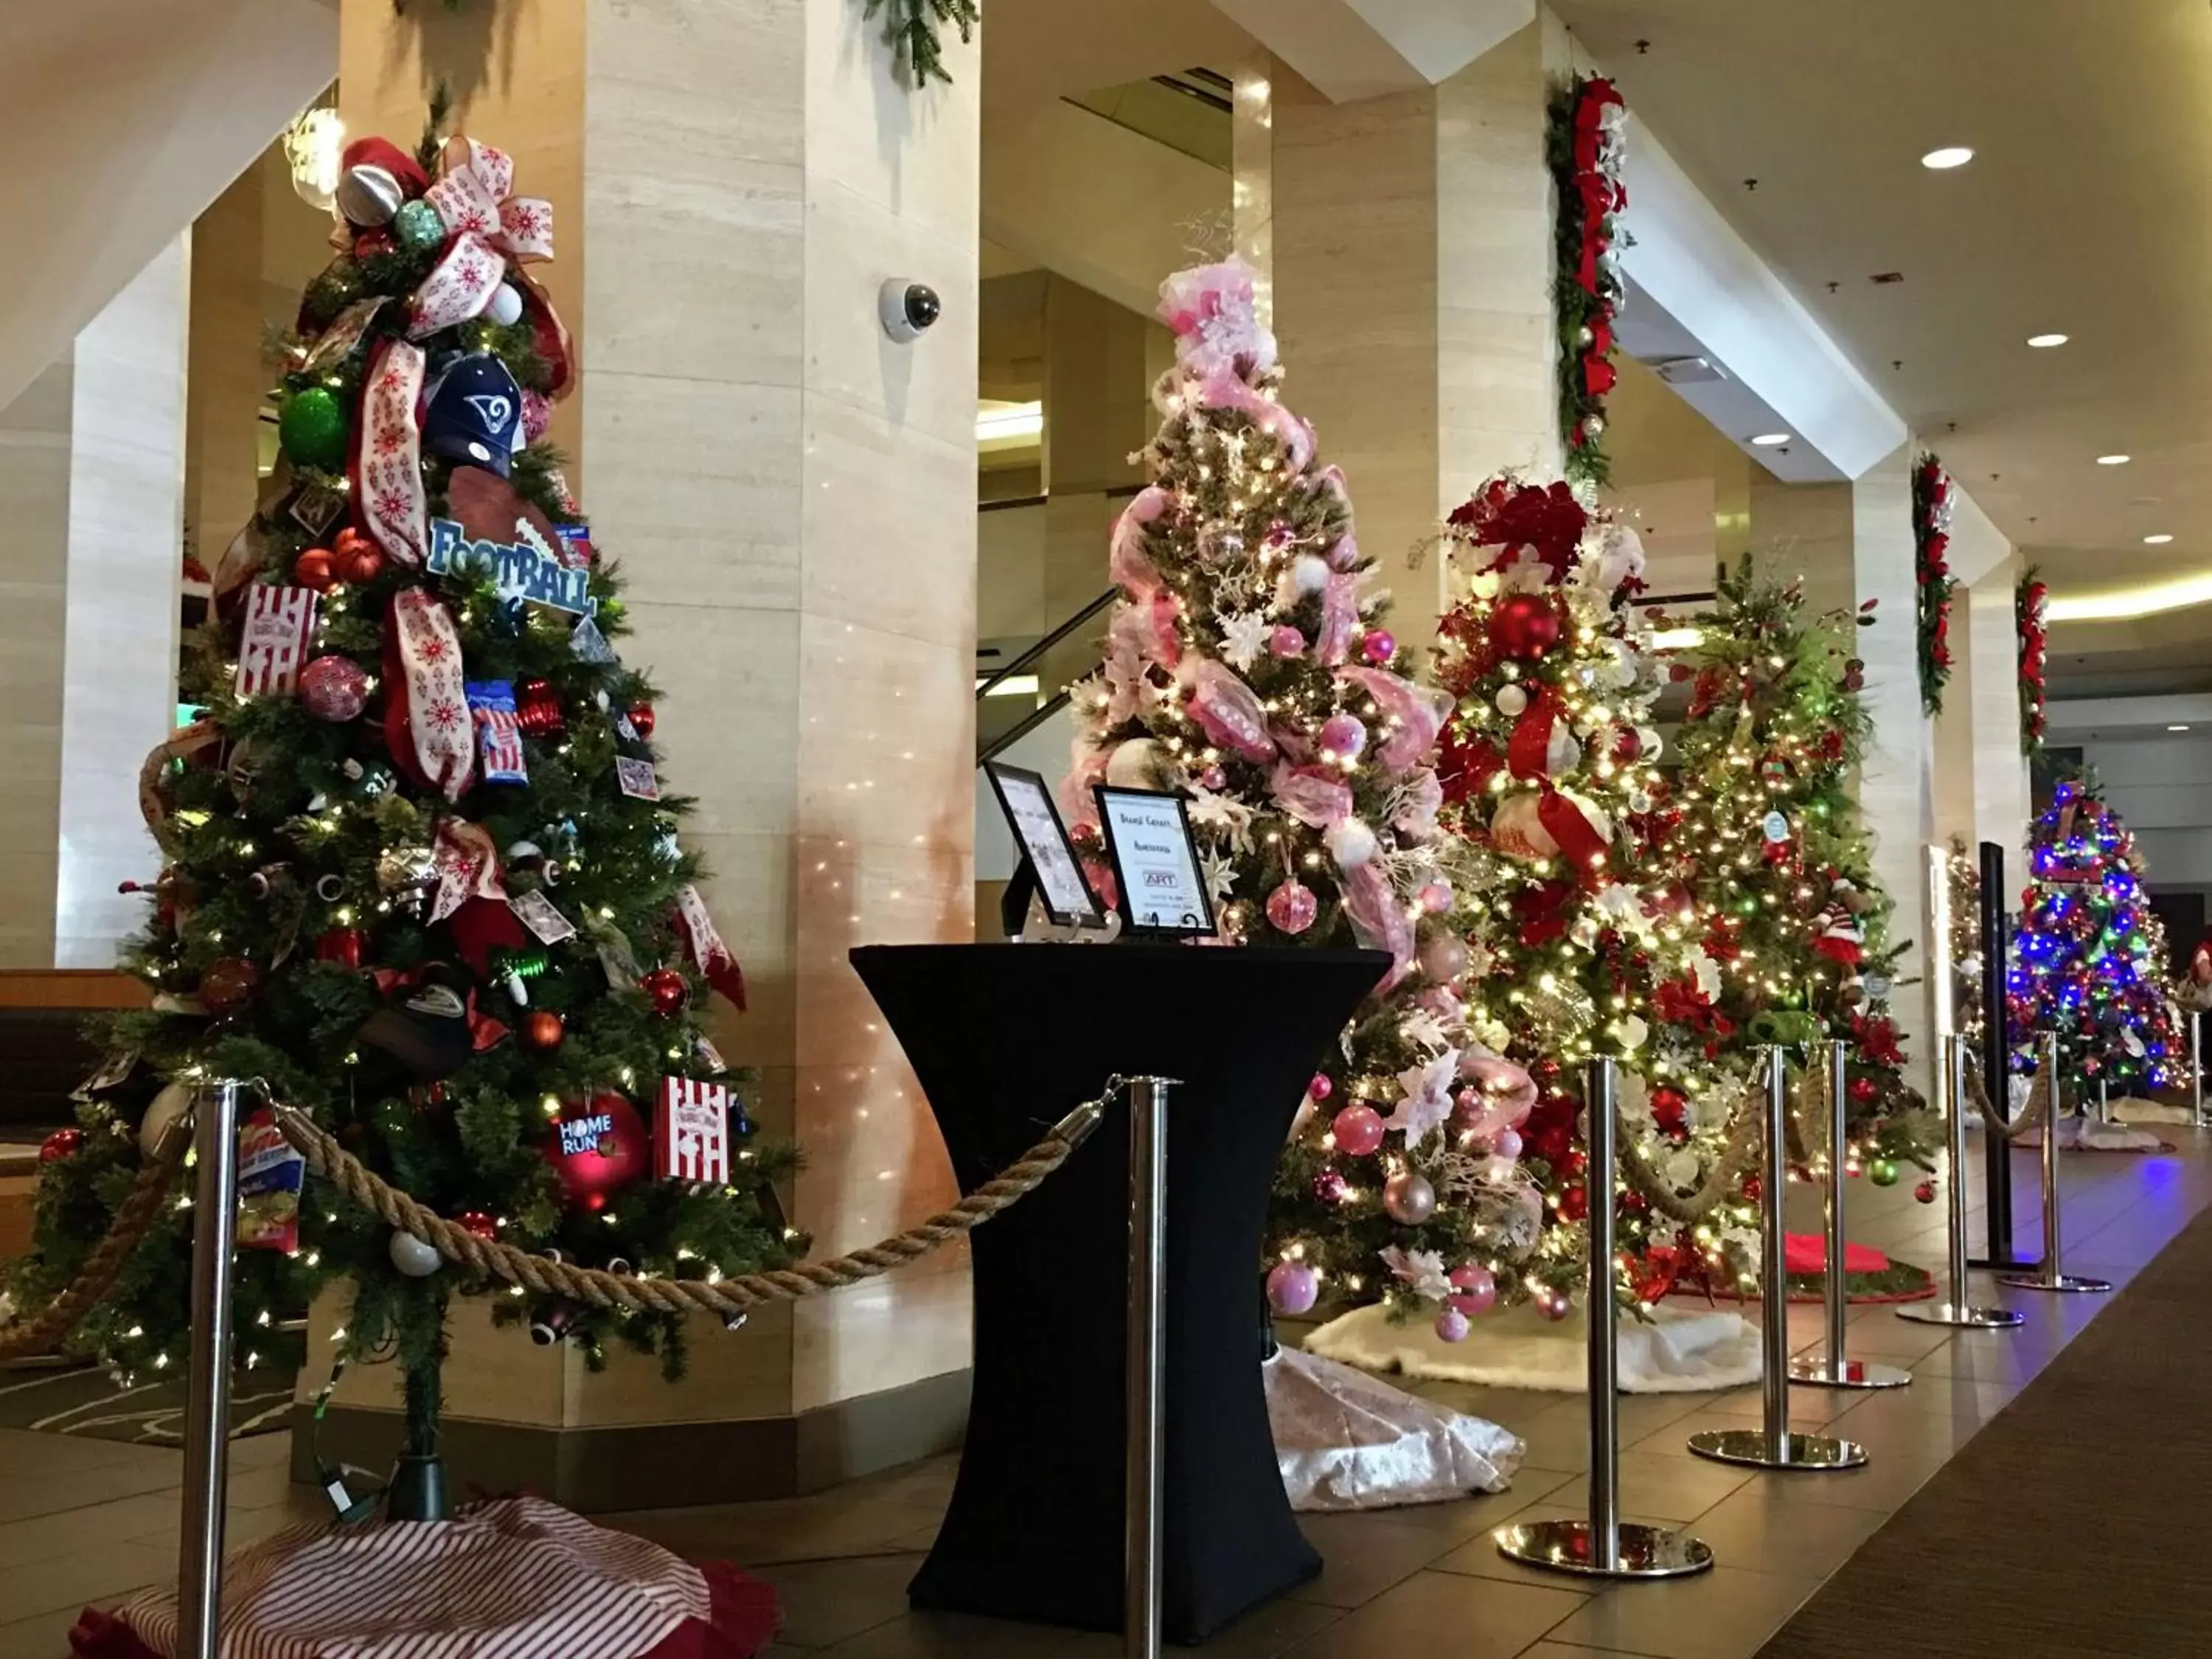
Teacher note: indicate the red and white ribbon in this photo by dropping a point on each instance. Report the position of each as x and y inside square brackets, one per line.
[459, 287]
[691, 1131]
[387, 467]
[467, 864]
[279, 622]
[471, 197]
[712, 958]
[426, 706]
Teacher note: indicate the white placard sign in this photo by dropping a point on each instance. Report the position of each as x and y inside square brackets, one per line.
[1027, 802]
[1154, 862]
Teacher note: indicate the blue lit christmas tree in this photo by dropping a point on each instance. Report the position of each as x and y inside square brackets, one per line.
[2089, 959]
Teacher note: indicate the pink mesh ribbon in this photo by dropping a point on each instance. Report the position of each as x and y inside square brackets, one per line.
[1130, 566]
[1316, 797]
[1339, 615]
[1419, 715]
[1228, 711]
[1378, 920]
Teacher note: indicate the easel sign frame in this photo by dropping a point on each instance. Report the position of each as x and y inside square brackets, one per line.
[1147, 832]
[1049, 873]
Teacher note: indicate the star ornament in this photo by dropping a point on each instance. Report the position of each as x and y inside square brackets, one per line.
[1245, 638]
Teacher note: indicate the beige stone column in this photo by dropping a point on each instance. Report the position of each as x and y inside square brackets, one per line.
[1098, 413]
[1412, 242]
[2002, 803]
[92, 468]
[793, 496]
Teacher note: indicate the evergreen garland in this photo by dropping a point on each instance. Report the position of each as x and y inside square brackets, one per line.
[1933, 493]
[912, 25]
[1583, 146]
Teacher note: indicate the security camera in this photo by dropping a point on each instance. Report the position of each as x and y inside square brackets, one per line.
[907, 308]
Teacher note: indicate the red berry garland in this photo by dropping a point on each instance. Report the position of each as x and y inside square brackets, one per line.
[1932, 495]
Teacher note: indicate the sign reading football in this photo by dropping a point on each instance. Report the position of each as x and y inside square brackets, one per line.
[521, 571]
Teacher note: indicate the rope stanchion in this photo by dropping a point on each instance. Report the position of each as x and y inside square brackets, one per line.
[1834, 1368]
[134, 1218]
[543, 1276]
[2049, 1278]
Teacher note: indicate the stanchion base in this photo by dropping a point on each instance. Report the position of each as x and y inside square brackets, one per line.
[1570, 1546]
[2056, 1282]
[1851, 1374]
[2006, 1264]
[1950, 1313]
[1816, 1453]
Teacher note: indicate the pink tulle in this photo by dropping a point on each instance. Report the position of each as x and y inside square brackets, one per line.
[1146, 628]
[1130, 566]
[1214, 315]
[1314, 798]
[1228, 711]
[1378, 920]
[1339, 615]
[1420, 713]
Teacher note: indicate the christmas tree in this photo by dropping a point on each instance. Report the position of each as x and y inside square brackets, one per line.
[1780, 864]
[1582, 942]
[420, 874]
[2089, 959]
[1249, 670]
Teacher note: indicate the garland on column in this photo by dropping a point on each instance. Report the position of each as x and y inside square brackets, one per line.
[2030, 606]
[1932, 496]
[1584, 149]
[912, 25]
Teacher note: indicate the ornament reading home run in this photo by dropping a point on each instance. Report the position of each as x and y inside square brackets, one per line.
[520, 570]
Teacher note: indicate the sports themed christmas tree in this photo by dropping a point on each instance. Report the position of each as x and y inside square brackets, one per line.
[2089, 959]
[1249, 670]
[1581, 944]
[1770, 844]
[421, 873]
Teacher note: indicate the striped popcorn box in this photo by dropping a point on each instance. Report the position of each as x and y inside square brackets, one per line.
[279, 621]
[691, 1131]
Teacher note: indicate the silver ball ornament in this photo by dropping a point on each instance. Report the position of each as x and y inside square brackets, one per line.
[1593, 425]
[1408, 1198]
[415, 1257]
[369, 195]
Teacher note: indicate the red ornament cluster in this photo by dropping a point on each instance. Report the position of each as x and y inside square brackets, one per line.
[1586, 150]
[2030, 607]
[1932, 495]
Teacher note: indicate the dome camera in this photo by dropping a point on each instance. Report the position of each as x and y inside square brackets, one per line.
[908, 308]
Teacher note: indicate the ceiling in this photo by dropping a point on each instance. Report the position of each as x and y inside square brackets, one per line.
[2086, 210]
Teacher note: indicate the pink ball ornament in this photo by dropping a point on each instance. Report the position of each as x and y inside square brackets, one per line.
[1409, 1198]
[1379, 647]
[1445, 958]
[1321, 1088]
[1506, 1143]
[1452, 1326]
[334, 688]
[1292, 907]
[1343, 736]
[1330, 1186]
[1554, 1306]
[1473, 1291]
[1286, 641]
[1436, 897]
[1359, 1130]
[1292, 1287]
[1213, 777]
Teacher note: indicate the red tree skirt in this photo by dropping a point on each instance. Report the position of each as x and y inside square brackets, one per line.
[512, 1578]
[1869, 1275]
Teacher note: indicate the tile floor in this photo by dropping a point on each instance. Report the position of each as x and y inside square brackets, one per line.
[89, 1520]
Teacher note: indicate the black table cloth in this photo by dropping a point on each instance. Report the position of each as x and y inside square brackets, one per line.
[1005, 1039]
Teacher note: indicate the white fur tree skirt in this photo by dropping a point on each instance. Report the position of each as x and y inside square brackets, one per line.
[1347, 1441]
[2086, 1134]
[1676, 1350]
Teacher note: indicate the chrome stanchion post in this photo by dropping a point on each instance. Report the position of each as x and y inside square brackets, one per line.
[1148, 1254]
[2196, 1068]
[207, 1384]
[2051, 1279]
[1834, 1369]
[1772, 1445]
[1604, 1545]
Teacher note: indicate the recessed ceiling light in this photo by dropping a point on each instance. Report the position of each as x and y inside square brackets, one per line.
[1768, 440]
[1951, 155]
[2113, 460]
[2157, 541]
[2177, 728]
[2044, 342]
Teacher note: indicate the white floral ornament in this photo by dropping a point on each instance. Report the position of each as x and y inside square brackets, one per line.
[1215, 317]
[1426, 1102]
[1421, 1271]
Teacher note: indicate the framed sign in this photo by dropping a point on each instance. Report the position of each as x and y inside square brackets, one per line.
[1155, 863]
[1031, 814]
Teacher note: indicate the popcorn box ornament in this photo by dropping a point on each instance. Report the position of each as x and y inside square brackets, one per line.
[691, 1131]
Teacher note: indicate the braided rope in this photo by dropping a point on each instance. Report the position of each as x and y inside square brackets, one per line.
[2038, 1107]
[544, 1276]
[134, 1218]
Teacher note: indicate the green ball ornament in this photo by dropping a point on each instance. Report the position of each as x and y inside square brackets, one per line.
[418, 226]
[1882, 1172]
[312, 429]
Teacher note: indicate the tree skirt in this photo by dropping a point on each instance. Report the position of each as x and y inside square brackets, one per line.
[509, 1578]
[2086, 1134]
[1869, 1276]
[1675, 1351]
[1347, 1441]
[2136, 1109]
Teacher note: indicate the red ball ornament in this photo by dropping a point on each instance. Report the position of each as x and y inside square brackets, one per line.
[228, 985]
[374, 244]
[477, 1224]
[1670, 1109]
[537, 708]
[356, 558]
[1862, 1090]
[1925, 1192]
[334, 688]
[1524, 625]
[63, 1143]
[1626, 744]
[542, 1030]
[313, 568]
[1753, 1187]
[669, 990]
[341, 946]
[642, 717]
[597, 1149]
[1574, 1203]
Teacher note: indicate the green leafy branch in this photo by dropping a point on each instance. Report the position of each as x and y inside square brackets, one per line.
[912, 27]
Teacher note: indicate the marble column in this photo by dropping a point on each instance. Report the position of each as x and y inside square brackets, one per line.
[92, 456]
[2002, 803]
[793, 496]
[1411, 239]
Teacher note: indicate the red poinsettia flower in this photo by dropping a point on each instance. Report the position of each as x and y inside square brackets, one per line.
[1514, 515]
[1877, 1039]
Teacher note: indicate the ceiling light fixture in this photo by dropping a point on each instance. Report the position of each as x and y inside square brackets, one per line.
[2145, 600]
[1769, 439]
[2044, 342]
[1951, 155]
[2177, 728]
[2114, 460]
[2160, 540]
